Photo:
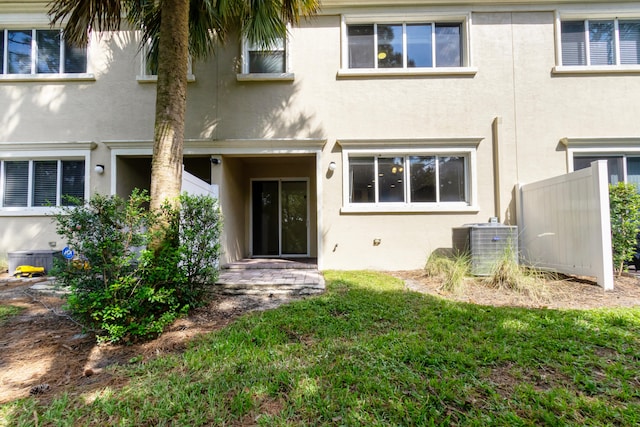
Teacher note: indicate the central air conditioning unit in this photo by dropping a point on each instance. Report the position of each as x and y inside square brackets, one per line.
[486, 244]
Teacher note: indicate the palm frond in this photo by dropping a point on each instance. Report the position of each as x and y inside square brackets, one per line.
[206, 27]
[293, 10]
[263, 22]
[82, 16]
[145, 15]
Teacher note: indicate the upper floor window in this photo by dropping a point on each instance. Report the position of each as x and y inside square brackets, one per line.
[390, 44]
[600, 42]
[265, 62]
[265, 59]
[34, 51]
[41, 183]
[405, 45]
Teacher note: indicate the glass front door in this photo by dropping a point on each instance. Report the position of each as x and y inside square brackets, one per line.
[279, 218]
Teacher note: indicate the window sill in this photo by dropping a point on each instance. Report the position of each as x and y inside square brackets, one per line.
[44, 211]
[405, 72]
[596, 69]
[154, 79]
[47, 77]
[403, 208]
[265, 77]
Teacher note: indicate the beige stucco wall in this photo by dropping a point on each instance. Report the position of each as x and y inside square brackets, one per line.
[233, 193]
[514, 100]
[515, 55]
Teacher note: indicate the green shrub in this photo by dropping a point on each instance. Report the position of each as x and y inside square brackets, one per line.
[451, 269]
[124, 291]
[624, 209]
[506, 273]
[191, 253]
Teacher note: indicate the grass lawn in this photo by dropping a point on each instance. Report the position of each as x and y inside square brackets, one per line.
[370, 353]
[7, 311]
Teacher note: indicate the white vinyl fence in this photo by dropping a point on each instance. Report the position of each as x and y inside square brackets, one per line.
[195, 186]
[564, 224]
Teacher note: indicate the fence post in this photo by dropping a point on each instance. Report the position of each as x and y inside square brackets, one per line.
[603, 251]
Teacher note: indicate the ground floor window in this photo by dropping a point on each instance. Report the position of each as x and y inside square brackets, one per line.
[409, 179]
[41, 183]
[409, 175]
[621, 168]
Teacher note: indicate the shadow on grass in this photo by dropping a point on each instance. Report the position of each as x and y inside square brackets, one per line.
[368, 352]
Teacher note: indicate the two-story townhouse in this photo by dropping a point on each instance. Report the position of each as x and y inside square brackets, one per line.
[362, 139]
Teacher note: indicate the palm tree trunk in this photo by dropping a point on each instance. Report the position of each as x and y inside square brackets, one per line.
[173, 57]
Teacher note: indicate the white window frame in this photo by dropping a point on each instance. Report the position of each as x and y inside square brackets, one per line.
[31, 156]
[245, 75]
[605, 147]
[464, 147]
[599, 155]
[33, 22]
[465, 21]
[561, 16]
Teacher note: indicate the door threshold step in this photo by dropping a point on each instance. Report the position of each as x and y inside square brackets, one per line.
[269, 292]
[271, 264]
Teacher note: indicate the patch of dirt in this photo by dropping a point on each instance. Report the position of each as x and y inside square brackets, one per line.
[45, 353]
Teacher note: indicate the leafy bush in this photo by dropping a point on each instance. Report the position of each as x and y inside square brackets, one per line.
[191, 248]
[120, 288]
[624, 209]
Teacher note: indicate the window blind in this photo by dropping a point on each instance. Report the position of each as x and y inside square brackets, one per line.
[16, 187]
[45, 178]
[448, 45]
[629, 42]
[75, 59]
[1, 52]
[72, 180]
[573, 43]
[19, 52]
[601, 43]
[48, 42]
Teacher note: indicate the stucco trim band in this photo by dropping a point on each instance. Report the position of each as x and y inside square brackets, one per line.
[47, 146]
[397, 144]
